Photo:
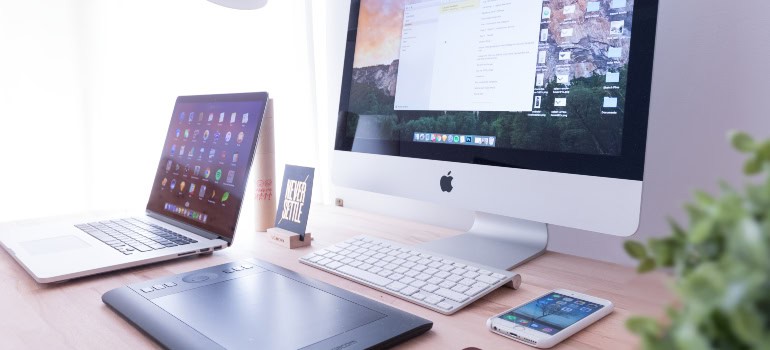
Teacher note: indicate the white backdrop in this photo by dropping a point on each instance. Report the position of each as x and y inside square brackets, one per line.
[88, 87]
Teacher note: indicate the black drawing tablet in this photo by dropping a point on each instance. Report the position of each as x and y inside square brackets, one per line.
[252, 304]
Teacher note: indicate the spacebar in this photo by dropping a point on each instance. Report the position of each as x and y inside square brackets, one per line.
[365, 275]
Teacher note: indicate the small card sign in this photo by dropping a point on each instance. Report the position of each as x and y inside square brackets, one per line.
[294, 205]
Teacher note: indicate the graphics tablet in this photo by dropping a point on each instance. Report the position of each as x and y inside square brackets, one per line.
[252, 304]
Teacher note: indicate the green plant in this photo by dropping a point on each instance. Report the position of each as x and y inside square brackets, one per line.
[720, 264]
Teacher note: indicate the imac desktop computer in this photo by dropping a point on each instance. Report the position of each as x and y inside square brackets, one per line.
[527, 112]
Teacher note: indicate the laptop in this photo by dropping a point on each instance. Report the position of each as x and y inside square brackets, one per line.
[195, 199]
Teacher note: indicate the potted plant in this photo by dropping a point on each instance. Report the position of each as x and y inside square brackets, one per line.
[720, 265]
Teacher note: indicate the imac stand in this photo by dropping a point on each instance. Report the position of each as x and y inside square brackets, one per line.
[497, 241]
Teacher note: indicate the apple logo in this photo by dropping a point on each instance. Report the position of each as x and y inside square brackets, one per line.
[446, 182]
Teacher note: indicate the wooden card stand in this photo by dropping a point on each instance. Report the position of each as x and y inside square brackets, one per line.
[288, 239]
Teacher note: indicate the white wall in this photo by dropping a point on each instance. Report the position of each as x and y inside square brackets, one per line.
[41, 109]
[709, 78]
[87, 88]
[144, 53]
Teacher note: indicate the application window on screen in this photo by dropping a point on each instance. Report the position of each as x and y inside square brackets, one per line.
[479, 61]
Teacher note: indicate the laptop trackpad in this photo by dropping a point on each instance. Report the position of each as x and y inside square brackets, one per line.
[54, 245]
[265, 311]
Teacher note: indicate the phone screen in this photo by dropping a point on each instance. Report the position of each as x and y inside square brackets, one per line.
[551, 313]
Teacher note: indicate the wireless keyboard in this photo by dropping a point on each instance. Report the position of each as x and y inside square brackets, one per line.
[440, 283]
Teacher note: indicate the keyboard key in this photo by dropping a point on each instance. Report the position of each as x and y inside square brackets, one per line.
[470, 274]
[417, 284]
[365, 275]
[418, 296]
[498, 276]
[408, 290]
[442, 274]
[473, 291]
[452, 295]
[467, 282]
[159, 286]
[435, 280]
[334, 265]
[423, 277]
[432, 299]
[147, 290]
[430, 288]
[385, 273]
[407, 280]
[447, 284]
[454, 278]
[486, 279]
[444, 305]
[460, 288]
[396, 286]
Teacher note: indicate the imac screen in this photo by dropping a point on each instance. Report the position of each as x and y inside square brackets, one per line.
[499, 82]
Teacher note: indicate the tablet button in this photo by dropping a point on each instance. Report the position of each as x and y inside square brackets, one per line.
[198, 278]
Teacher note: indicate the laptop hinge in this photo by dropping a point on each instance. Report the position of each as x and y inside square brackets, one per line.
[187, 227]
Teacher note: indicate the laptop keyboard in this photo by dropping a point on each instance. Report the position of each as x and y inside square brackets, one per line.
[133, 235]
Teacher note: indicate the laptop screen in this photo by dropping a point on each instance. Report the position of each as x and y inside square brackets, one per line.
[204, 167]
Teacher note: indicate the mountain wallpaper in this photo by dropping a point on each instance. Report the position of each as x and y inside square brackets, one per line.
[584, 129]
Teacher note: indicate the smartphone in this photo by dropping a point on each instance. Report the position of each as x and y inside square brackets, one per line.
[547, 320]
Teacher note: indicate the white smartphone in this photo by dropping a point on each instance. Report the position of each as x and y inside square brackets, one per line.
[547, 320]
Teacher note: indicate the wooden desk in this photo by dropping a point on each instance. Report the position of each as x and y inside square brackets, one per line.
[72, 315]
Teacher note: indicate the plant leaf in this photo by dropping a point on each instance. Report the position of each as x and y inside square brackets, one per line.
[664, 251]
[635, 249]
[647, 265]
[643, 326]
[743, 142]
[704, 198]
[701, 230]
[753, 166]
